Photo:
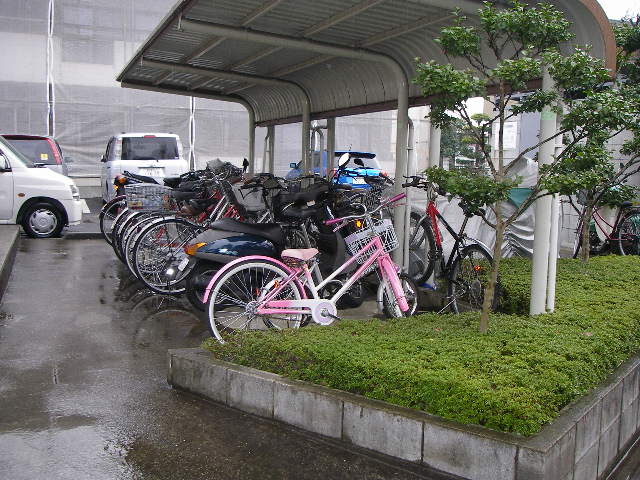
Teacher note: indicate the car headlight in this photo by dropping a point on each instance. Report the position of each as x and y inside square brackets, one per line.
[75, 193]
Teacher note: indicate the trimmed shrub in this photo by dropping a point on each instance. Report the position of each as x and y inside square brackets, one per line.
[515, 379]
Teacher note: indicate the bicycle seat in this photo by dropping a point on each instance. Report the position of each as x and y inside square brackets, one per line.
[181, 196]
[270, 231]
[172, 182]
[140, 178]
[299, 212]
[303, 254]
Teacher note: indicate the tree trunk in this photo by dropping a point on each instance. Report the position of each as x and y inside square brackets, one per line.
[495, 268]
[585, 246]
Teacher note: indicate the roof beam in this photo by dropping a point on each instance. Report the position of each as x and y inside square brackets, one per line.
[378, 38]
[245, 77]
[213, 42]
[313, 29]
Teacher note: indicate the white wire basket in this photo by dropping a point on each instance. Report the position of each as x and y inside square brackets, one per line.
[383, 228]
[149, 198]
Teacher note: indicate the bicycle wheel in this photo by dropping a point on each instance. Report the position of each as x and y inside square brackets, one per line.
[108, 214]
[197, 282]
[130, 235]
[628, 234]
[390, 306]
[159, 259]
[124, 229]
[422, 251]
[233, 300]
[469, 278]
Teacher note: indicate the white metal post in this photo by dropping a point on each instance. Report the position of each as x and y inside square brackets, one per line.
[435, 135]
[411, 170]
[331, 145]
[541, 236]
[402, 121]
[553, 253]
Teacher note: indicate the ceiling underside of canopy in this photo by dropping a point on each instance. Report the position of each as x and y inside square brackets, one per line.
[184, 56]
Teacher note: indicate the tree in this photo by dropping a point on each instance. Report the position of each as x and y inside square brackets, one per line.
[508, 51]
[454, 142]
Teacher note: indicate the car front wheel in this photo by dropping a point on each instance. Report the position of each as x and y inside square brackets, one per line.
[42, 220]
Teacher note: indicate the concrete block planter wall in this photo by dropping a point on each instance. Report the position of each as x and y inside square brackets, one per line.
[582, 444]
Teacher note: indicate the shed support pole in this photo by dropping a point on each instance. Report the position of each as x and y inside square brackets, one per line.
[271, 133]
[435, 135]
[306, 136]
[402, 122]
[411, 170]
[553, 253]
[542, 231]
[252, 142]
[331, 146]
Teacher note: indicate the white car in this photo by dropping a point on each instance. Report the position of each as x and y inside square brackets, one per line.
[155, 155]
[39, 199]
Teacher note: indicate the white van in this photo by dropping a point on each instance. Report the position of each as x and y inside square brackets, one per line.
[39, 199]
[155, 155]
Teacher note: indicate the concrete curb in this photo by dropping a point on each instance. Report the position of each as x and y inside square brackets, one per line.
[583, 443]
[9, 239]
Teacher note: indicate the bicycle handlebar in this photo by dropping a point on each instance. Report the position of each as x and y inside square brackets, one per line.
[384, 203]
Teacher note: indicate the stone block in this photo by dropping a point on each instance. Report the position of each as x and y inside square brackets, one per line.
[586, 467]
[466, 454]
[611, 407]
[308, 408]
[628, 422]
[382, 430]
[250, 392]
[631, 387]
[193, 374]
[557, 462]
[608, 446]
[588, 430]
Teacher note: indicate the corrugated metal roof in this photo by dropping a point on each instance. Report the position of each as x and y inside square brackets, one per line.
[400, 29]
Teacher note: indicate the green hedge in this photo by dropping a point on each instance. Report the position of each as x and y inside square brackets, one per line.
[516, 378]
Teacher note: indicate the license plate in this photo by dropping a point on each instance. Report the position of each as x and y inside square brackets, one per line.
[183, 264]
[359, 181]
[152, 172]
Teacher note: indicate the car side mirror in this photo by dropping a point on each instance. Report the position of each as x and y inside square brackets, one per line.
[103, 159]
[293, 165]
[4, 164]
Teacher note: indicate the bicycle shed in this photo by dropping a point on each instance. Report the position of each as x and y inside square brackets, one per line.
[291, 61]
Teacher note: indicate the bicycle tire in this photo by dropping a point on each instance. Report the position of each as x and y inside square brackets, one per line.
[468, 279]
[390, 307]
[130, 235]
[628, 234]
[108, 214]
[422, 252]
[235, 288]
[194, 288]
[156, 262]
[122, 232]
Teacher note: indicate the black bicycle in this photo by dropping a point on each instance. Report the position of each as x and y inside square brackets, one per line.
[468, 266]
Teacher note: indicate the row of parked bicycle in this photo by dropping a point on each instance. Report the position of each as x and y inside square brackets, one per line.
[305, 250]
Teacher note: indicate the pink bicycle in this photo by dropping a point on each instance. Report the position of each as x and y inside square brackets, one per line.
[258, 292]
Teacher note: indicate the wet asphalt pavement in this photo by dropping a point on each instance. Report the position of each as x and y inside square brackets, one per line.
[83, 393]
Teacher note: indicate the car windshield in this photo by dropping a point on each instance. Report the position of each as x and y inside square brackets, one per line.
[6, 146]
[149, 148]
[35, 149]
[367, 162]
